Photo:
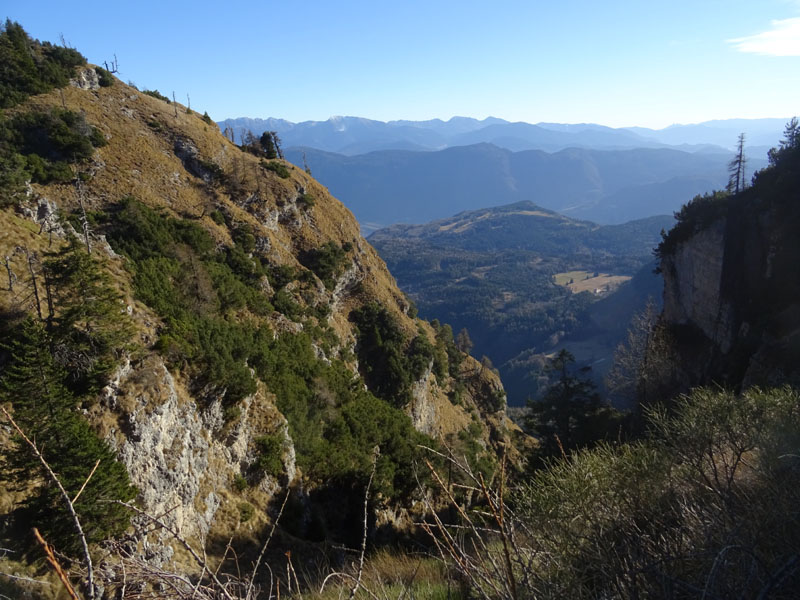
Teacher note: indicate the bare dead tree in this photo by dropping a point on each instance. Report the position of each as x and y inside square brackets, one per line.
[32, 259]
[84, 220]
[12, 277]
[114, 68]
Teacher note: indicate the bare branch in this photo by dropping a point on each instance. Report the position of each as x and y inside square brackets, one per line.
[83, 487]
[375, 454]
[200, 562]
[62, 575]
[264, 548]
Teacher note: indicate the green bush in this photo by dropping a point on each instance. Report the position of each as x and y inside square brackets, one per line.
[246, 511]
[277, 167]
[239, 483]
[280, 275]
[14, 174]
[306, 200]
[701, 505]
[31, 67]
[389, 363]
[45, 406]
[270, 452]
[327, 262]
[104, 77]
[48, 141]
[157, 94]
[215, 172]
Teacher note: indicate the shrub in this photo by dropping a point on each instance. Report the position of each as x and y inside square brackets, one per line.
[217, 216]
[270, 452]
[327, 262]
[45, 407]
[239, 483]
[48, 141]
[104, 77]
[31, 67]
[246, 511]
[157, 94]
[214, 171]
[306, 200]
[389, 363]
[705, 506]
[277, 167]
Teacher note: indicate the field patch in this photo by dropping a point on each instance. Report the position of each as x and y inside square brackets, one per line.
[587, 281]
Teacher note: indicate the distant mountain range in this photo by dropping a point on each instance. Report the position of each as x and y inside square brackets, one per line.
[605, 186]
[355, 135]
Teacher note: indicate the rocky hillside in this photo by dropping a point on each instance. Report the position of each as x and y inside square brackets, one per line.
[219, 322]
[731, 311]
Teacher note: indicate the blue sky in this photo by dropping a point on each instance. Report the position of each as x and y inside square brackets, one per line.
[615, 62]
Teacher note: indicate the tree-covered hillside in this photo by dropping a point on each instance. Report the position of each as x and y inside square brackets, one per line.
[521, 279]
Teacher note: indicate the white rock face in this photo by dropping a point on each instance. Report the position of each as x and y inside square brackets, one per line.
[175, 450]
[86, 79]
[423, 412]
[167, 455]
[695, 296]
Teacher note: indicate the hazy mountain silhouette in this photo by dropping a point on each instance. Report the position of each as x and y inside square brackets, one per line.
[611, 186]
[355, 135]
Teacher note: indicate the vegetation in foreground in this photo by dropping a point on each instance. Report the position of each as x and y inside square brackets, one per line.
[704, 506]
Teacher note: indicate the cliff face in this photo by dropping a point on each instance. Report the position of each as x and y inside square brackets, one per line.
[185, 445]
[732, 289]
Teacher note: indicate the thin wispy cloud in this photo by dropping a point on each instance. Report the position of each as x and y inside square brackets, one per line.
[782, 40]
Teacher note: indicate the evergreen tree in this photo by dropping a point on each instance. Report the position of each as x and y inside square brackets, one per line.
[737, 182]
[268, 145]
[87, 318]
[48, 412]
[571, 415]
[790, 141]
[463, 341]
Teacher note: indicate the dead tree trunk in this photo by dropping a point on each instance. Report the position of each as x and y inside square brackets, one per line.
[31, 259]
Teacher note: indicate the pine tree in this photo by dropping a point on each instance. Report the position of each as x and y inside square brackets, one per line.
[790, 142]
[48, 412]
[268, 145]
[737, 182]
[89, 326]
[571, 415]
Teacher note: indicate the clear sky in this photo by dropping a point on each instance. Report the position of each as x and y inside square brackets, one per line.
[650, 63]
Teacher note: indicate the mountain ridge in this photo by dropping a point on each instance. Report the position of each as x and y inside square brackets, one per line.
[395, 186]
[357, 135]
